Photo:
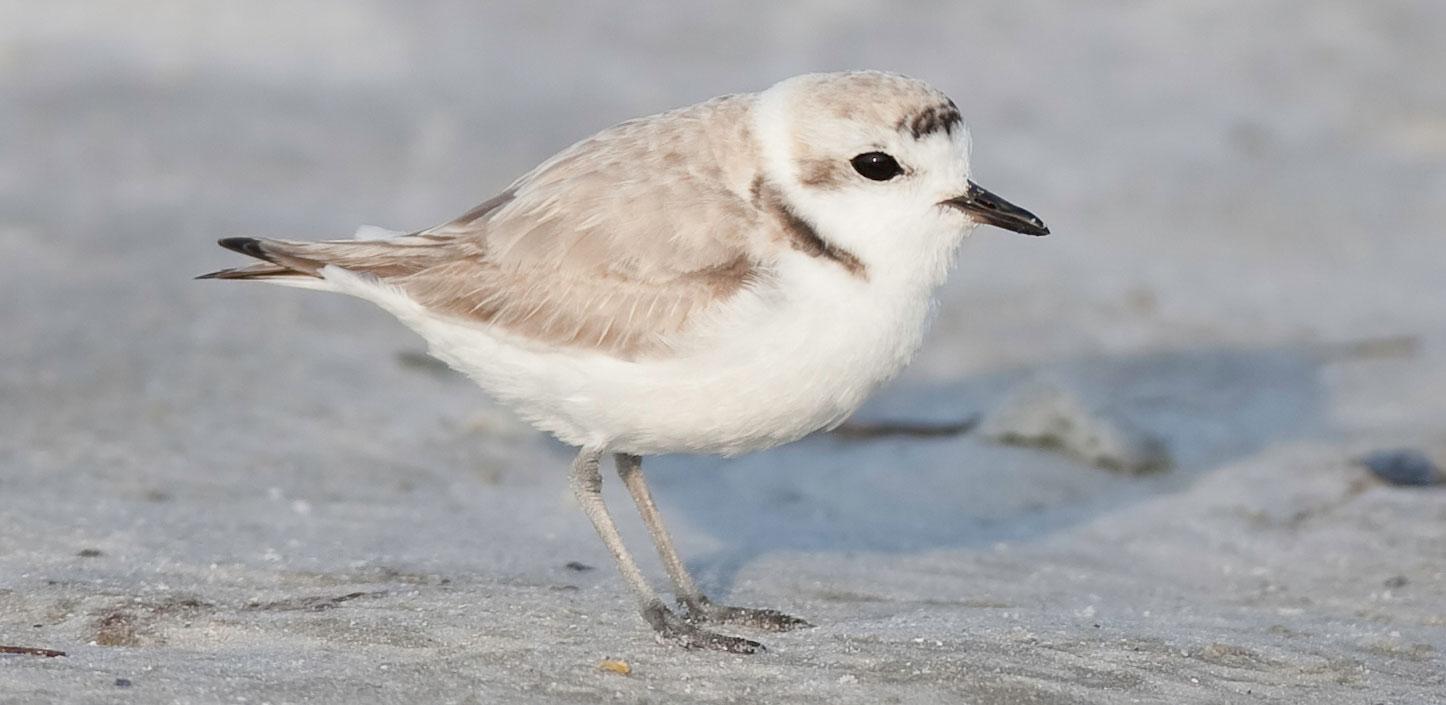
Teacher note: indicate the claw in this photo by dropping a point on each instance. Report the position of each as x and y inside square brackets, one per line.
[679, 631]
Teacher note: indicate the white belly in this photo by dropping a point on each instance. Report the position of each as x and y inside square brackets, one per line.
[775, 373]
[767, 368]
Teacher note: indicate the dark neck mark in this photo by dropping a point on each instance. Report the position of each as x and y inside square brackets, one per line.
[800, 233]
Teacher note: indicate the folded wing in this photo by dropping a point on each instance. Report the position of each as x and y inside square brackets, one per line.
[614, 245]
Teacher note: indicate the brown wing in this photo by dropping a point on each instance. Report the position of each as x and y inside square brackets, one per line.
[615, 244]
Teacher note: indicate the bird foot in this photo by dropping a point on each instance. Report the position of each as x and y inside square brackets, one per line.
[672, 629]
[702, 611]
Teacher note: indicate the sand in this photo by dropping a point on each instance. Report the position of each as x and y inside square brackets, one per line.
[220, 493]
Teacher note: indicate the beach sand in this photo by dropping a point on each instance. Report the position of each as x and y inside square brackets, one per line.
[222, 493]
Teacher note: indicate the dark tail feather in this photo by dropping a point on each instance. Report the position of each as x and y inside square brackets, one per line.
[259, 271]
[292, 259]
[278, 266]
[245, 245]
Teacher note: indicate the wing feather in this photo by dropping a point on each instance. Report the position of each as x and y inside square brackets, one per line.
[616, 244]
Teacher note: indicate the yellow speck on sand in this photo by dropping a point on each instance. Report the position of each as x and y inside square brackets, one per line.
[616, 666]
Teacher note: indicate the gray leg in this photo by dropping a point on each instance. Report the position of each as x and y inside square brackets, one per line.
[697, 605]
[670, 628]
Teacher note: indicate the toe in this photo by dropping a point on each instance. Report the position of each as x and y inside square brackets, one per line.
[767, 620]
[780, 622]
[674, 630]
[734, 645]
[691, 637]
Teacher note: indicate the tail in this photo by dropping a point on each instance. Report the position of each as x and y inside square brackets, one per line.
[300, 263]
[252, 246]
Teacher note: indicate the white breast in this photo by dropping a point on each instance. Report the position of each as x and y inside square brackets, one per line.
[800, 360]
[772, 367]
[799, 353]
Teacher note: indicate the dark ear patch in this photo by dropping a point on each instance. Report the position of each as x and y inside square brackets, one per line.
[944, 116]
[822, 173]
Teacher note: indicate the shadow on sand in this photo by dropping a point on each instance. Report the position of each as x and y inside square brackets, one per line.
[901, 494]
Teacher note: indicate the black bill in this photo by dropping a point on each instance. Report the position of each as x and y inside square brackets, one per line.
[990, 209]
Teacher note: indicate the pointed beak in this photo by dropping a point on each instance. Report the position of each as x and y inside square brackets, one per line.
[987, 208]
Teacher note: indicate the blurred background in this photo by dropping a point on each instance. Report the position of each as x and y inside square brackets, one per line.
[1245, 280]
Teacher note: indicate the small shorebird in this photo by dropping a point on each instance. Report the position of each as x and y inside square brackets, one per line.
[721, 278]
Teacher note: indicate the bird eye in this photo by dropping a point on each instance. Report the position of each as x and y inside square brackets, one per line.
[876, 165]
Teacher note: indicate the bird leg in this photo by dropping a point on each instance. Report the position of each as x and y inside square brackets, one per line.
[670, 628]
[698, 607]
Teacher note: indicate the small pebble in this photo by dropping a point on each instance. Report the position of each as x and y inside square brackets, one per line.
[122, 682]
[1053, 416]
[1406, 467]
[89, 553]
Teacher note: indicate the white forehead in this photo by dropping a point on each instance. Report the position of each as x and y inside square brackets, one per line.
[808, 122]
[868, 99]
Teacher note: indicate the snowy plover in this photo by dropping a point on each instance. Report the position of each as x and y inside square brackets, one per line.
[720, 278]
